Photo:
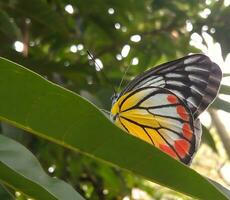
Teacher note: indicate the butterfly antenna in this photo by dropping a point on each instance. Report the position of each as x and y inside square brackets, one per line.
[123, 78]
[102, 72]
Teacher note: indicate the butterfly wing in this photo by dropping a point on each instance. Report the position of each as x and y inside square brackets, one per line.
[161, 118]
[161, 105]
[195, 79]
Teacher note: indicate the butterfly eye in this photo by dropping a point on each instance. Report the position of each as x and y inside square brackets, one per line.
[114, 97]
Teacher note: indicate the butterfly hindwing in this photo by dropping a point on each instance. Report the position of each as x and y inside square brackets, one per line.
[159, 117]
[195, 79]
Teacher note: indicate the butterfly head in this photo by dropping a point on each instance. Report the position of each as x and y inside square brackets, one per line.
[115, 97]
[114, 110]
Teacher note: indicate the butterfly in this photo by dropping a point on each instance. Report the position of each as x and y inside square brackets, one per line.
[161, 106]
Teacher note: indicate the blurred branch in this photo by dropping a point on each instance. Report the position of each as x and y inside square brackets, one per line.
[26, 38]
[222, 132]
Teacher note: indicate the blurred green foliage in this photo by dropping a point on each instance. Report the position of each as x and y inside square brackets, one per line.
[48, 31]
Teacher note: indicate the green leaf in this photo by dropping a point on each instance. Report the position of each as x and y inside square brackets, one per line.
[47, 16]
[208, 139]
[225, 89]
[8, 27]
[221, 104]
[32, 103]
[220, 187]
[20, 170]
[5, 193]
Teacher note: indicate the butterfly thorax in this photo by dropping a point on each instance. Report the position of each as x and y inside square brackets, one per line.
[115, 107]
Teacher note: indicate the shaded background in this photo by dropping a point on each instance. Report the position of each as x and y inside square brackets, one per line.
[51, 37]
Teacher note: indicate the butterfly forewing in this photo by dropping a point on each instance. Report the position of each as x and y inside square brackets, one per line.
[195, 79]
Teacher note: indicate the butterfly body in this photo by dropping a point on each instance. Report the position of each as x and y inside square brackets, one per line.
[161, 105]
